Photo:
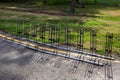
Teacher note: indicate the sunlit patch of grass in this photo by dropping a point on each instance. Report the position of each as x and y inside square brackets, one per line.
[109, 18]
[105, 21]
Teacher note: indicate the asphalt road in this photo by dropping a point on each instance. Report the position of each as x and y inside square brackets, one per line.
[20, 63]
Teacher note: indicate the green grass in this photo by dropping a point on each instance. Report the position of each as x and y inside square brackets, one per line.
[101, 18]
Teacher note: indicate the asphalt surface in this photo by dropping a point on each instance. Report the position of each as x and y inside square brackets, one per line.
[20, 63]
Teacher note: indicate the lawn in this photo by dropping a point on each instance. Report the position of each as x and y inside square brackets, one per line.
[103, 18]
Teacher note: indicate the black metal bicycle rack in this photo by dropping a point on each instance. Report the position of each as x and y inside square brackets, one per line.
[93, 42]
[52, 34]
[50, 37]
[42, 32]
[54, 37]
[79, 45]
[108, 52]
[80, 39]
[34, 31]
[68, 38]
[19, 28]
[108, 45]
[27, 29]
[57, 38]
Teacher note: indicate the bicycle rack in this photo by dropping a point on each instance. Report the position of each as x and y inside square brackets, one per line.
[108, 52]
[42, 33]
[50, 36]
[27, 29]
[93, 41]
[18, 28]
[80, 40]
[68, 39]
[34, 33]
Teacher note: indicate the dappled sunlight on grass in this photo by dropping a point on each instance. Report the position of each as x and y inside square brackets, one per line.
[104, 19]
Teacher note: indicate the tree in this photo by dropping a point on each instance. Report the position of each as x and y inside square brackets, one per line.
[44, 1]
[95, 1]
[75, 3]
[116, 2]
[14, 0]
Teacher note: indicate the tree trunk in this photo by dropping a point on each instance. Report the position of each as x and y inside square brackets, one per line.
[44, 1]
[73, 4]
[116, 2]
[95, 1]
[82, 4]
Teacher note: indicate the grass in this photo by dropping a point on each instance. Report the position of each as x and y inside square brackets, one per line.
[105, 19]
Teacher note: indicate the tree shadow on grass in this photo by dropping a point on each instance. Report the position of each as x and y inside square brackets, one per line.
[59, 8]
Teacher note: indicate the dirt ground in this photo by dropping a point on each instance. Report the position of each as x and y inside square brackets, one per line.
[20, 63]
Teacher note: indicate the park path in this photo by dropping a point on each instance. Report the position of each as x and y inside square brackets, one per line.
[47, 12]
